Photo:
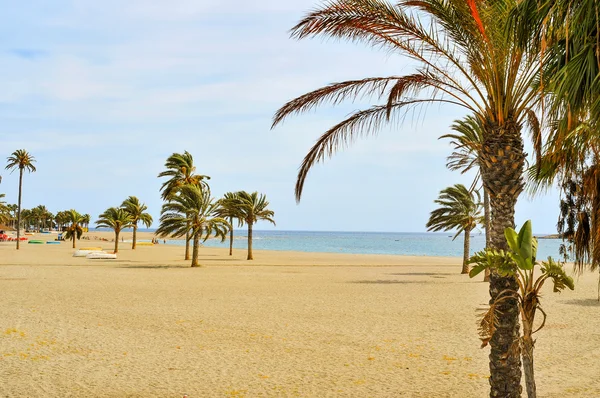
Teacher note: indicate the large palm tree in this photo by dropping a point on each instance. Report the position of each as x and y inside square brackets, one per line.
[116, 219]
[74, 230]
[229, 209]
[460, 209]
[467, 139]
[180, 170]
[137, 211]
[466, 55]
[192, 212]
[253, 207]
[571, 81]
[22, 160]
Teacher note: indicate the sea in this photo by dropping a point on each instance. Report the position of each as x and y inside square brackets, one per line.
[397, 243]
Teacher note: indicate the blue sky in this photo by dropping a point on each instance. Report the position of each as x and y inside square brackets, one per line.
[101, 93]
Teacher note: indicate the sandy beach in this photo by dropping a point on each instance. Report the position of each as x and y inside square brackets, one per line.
[287, 324]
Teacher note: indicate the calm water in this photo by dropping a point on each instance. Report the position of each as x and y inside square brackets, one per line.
[413, 244]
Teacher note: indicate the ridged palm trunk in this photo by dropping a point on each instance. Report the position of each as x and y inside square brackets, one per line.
[74, 237]
[231, 236]
[250, 257]
[19, 209]
[187, 242]
[117, 233]
[502, 162]
[488, 222]
[134, 238]
[196, 245]
[466, 249]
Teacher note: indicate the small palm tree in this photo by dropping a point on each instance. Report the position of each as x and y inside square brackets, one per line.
[138, 213]
[180, 171]
[75, 230]
[459, 209]
[467, 140]
[22, 160]
[4, 210]
[520, 262]
[229, 209]
[86, 218]
[192, 212]
[253, 208]
[116, 219]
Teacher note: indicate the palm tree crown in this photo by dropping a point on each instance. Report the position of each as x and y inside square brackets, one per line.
[21, 159]
[116, 219]
[458, 209]
[137, 212]
[192, 211]
[180, 170]
[75, 230]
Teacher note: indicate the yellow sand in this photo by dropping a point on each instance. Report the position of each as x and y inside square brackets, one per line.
[147, 325]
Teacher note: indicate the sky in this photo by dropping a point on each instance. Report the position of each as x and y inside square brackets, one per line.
[101, 93]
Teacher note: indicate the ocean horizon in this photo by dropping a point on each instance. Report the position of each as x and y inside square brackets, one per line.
[438, 244]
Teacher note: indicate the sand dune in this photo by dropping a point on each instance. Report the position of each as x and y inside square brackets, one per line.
[290, 324]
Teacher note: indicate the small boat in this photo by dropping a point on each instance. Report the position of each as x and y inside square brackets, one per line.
[102, 255]
[84, 252]
[94, 249]
[36, 242]
[52, 242]
[144, 244]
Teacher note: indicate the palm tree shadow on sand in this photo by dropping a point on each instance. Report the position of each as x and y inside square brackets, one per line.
[589, 302]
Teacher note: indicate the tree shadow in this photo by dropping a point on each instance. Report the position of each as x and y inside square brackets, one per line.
[582, 302]
[422, 273]
[388, 282]
[150, 266]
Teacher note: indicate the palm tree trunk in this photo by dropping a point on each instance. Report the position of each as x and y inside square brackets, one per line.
[187, 241]
[117, 232]
[466, 256]
[19, 208]
[488, 223]
[250, 257]
[231, 237]
[528, 359]
[134, 237]
[73, 237]
[502, 161]
[195, 250]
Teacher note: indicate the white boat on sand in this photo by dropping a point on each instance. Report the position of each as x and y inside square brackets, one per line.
[102, 255]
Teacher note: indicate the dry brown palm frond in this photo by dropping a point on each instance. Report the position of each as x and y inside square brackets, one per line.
[486, 326]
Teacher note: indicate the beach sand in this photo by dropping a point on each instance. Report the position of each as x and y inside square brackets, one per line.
[285, 325]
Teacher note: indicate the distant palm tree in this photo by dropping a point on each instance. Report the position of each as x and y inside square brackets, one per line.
[4, 210]
[86, 221]
[192, 212]
[229, 209]
[138, 213]
[180, 170]
[459, 209]
[467, 141]
[116, 219]
[253, 208]
[22, 160]
[74, 230]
